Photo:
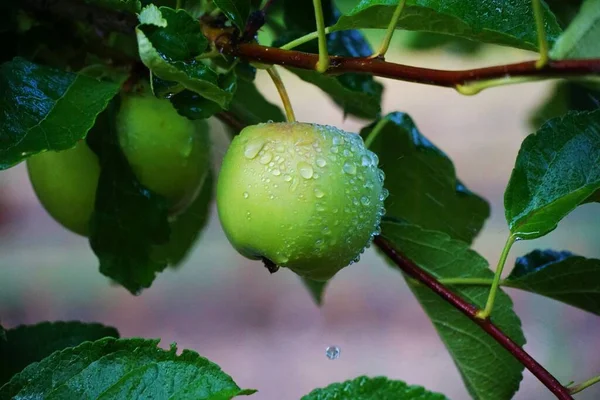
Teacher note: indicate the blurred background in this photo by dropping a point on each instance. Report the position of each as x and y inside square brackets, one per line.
[264, 330]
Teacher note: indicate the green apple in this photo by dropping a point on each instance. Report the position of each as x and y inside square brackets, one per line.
[65, 183]
[168, 153]
[304, 196]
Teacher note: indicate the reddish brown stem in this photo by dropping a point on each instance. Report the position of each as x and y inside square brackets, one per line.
[415, 272]
[382, 68]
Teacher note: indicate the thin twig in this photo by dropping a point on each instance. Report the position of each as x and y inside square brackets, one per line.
[415, 272]
[385, 69]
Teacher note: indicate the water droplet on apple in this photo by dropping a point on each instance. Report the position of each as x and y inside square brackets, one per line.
[349, 168]
[321, 162]
[305, 169]
[287, 178]
[365, 201]
[319, 193]
[276, 172]
[253, 148]
[246, 195]
[265, 158]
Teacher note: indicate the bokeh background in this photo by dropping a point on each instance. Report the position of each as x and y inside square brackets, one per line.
[264, 329]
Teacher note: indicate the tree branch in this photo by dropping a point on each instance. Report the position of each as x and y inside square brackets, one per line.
[226, 43]
[415, 272]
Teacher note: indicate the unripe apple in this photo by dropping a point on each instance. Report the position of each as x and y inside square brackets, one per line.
[168, 153]
[304, 196]
[65, 183]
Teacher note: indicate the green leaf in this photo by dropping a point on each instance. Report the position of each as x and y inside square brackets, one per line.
[363, 104]
[128, 218]
[236, 10]
[187, 227]
[508, 22]
[488, 370]
[44, 109]
[357, 94]
[250, 106]
[316, 289]
[194, 106]
[26, 344]
[422, 182]
[378, 388]
[168, 42]
[132, 6]
[566, 96]
[565, 11]
[556, 170]
[580, 39]
[122, 369]
[562, 276]
[425, 41]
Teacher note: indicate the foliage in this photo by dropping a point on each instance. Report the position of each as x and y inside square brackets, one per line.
[66, 64]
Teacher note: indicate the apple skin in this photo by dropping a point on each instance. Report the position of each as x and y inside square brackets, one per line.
[307, 197]
[65, 182]
[168, 153]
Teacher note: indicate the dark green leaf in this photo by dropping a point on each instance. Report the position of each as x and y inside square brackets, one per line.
[556, 170]
[27, 344]
[194, 106]
[357, 94]
[122, 369]
[562, 276]
[423, 186]
[132, 6]
[364, 104]
[250, 106]
[508, 22]
[45, 109]
[316, 289]
[580, 39]
[128, 219]
[378, 388]
[236, 10]
[417, 40]
[187, 227]
[299, 16]
[565, 11]
[169, 42]
[565, 96]
[489, 371]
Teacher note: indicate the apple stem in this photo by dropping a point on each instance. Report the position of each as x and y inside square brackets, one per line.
[285, 99]
[270, 265]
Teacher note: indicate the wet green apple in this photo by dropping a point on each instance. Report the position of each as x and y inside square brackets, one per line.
[168, 153]
[65, 183]
[304, 196]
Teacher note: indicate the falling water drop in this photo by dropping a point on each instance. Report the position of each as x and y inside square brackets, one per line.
[333, 352]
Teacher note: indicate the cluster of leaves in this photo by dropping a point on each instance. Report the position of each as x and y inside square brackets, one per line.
[52, 96]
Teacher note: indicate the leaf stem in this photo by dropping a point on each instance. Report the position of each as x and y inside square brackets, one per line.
[323, 62]
[178, 4]
[303, 39]
[468, 281]
[475, 87]
[584, 385]
[285, 99]
[470, 311]
[375, 131]
[541, 34]
[489, 305]
[385, 44]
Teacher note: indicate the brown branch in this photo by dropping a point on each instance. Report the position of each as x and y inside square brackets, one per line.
[379, 67]
[415, 272]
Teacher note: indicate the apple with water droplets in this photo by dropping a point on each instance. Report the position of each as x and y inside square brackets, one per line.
[303, 196]
[168, 153]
